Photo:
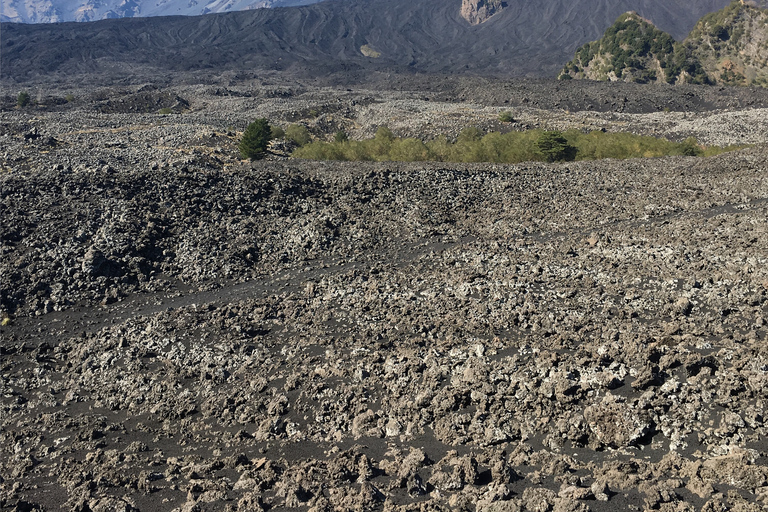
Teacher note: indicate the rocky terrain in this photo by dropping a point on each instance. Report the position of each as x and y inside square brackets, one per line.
[181, 330]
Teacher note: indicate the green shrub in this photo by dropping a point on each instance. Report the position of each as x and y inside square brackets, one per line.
[470, 134]
[320, 151]
[493, 146]
[165, 111]
[255, 139]
[597, 145]
[506, 117]
[468, 146]
[384, 134]
[520, 146]
[298, 133]
[69, 98]
[378, 148]
[277, 132]
[341, 136]
[690, 147]
[408, 150]
[715, 150]
[440, 149]
[23, 99]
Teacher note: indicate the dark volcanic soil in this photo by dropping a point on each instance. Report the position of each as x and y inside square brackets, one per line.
[185, 331]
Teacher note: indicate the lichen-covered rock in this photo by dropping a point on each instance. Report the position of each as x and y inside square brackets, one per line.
[616, 424]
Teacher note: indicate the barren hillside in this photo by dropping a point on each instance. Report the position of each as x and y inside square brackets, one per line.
[524, 38]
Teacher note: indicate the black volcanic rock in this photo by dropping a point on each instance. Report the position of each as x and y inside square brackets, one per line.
[525, 38]
[181, 330]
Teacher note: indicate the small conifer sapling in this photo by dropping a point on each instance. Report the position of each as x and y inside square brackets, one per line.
[255, 139]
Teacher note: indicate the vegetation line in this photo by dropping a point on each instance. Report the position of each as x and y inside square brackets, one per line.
[513, 147]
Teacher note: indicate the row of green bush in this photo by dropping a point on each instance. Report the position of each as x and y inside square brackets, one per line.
[23, 99]
[513, 147]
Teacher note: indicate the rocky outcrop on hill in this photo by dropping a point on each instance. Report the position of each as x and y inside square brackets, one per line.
[725, 47]
[631, 50]
[732, 45]
[478, 11]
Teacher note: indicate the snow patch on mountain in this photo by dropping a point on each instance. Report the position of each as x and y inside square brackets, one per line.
[55, 11]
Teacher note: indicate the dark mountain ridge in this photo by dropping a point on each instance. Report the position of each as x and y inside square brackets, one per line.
[523, 39]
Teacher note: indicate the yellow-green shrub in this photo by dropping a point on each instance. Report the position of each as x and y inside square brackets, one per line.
[512, 147]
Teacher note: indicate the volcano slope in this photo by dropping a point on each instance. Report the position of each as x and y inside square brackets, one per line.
[523, 39]
[186, 331]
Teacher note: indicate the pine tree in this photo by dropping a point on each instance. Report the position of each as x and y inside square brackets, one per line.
[554, 146]
[255, 139]
[23, 99]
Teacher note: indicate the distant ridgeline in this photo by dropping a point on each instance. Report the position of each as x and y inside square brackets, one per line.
[729, 47]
